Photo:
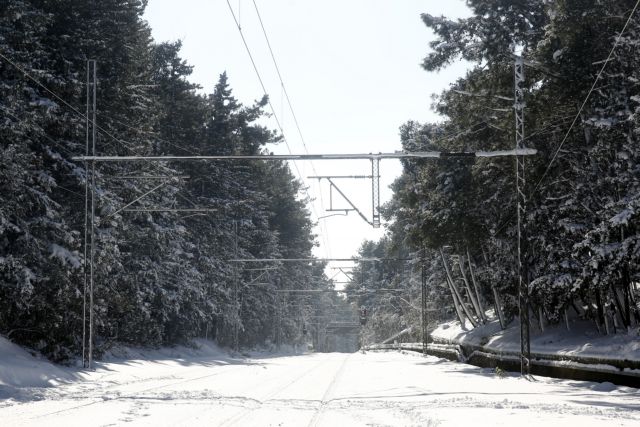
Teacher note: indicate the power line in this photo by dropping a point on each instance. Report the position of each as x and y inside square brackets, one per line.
[74, 109]
[284, 89]
[324, 233]
[140, 131]
[273, 111]
[102, 130]
[59, 98]
[295, 120]
[584, 103]
[255, 68]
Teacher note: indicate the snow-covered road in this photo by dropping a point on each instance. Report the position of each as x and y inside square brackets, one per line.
[376, 388]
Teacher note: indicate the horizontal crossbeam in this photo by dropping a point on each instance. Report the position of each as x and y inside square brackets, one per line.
[341, 177]
[150, 177]
[318, 259]
[354, 292]
[172, 210]
[279, 157]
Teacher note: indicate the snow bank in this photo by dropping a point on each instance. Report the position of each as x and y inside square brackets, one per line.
[20, 369]
[200, 349]
[582, 341]
[21, 372]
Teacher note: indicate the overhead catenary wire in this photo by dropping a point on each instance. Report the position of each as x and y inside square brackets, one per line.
[574, 121]
[273, 111]
[255, 68]
[140, 131]
[73, 109]
[324, 234]
[575, 117]
[102, 130]
[62, 100]
[284, 88]
[586, 99]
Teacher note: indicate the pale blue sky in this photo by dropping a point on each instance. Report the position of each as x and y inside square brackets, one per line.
[352, 71]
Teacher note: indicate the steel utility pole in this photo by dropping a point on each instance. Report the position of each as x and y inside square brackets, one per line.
[523, 276]
[375, 193]
[279, 303]
[89, 216]
[519, 153]
[235, 289]
[425, 332]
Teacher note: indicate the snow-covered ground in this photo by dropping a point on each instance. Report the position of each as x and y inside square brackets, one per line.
[209, 387]
[583, 340]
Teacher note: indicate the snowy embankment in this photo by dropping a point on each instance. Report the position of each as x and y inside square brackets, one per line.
[317, 389]
[21, 369]
[582, 343]
[25, 375]
[581, 353]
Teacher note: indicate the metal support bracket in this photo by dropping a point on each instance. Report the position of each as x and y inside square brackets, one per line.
[332, 186]
[375, 193]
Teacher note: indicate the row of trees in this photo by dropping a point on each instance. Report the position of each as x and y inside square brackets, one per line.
[583, 186]
[161, 277]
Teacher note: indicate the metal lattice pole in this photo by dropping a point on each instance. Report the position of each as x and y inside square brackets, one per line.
[89, 216]
[425, 332]
[279, 296]
[237, 300]
[523, 282]
[86, 228]
[93, 211]
[375, 193]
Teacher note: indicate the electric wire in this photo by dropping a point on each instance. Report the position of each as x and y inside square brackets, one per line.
[284, 89]
[565, 118]
[102, 130]
[59, 98]
[72, 108]
[47, 137]
[584, 103]
[143, 132]
[575, 118]
[325, 234]
[273, 111]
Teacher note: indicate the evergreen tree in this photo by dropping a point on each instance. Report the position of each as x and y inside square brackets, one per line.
[161, 277]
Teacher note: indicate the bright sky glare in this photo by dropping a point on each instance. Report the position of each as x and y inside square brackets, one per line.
[352, 72]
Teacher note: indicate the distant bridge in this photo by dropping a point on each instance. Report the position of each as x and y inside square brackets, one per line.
[343, 327]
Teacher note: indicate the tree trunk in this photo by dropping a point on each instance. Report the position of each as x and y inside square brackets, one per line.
[541, 318]
[475, 287]
[456, 291]
[618, 305]
[626, 294]
[498, 308]
[576, 309]
[600, 309]
[634, 304]
[472, 297]
[459, 313]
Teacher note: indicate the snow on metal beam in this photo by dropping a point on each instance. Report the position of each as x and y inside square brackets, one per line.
[318, 259]
[280, 157]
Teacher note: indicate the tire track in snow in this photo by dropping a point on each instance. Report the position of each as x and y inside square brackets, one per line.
[327, 397]
[238, 416]
[105, 399]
